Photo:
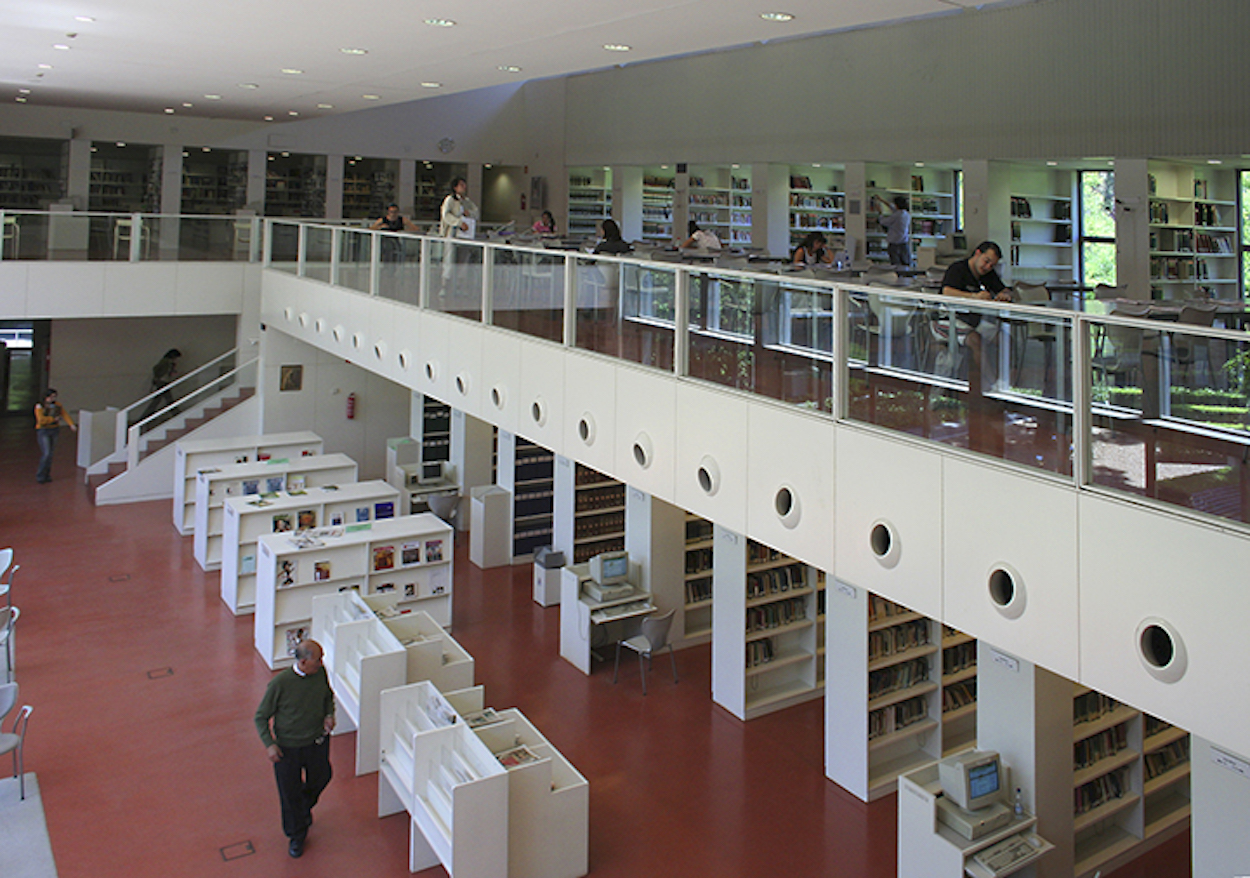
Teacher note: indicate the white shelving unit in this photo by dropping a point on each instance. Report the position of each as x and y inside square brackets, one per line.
[192, 455]
[719, 200]
[883, 699]
[658, 190]
[246, 520]
[590, 200]
[929, 191]
[773, 596]
[959, 691]
[1042, 235]
[526, 470]
[1194, 247]
[588, 514]
[215, 485]
[368, 659]
[817, 204]
[697, 580]
[409, 556]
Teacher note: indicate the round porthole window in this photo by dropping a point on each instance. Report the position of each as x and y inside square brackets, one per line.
[462, 384]
[538, 411]
[379, 350]
[431, 371]
[786, 505]
[303, 319]
[884, 544]
[405, 358]
[1161, 650]
[320, 326]
[1007, 592]
[498, 397]
[289, 314]
[586, 428]
[708, 475]
[643, 453]
[338, 332]
[358, 340]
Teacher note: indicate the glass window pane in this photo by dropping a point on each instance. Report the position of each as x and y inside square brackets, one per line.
[1098, 263]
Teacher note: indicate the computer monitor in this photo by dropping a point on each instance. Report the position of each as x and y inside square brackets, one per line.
[610, 568]
[972, 780]
[431, 472]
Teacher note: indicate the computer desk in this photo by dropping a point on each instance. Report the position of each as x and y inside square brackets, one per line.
[587, 625]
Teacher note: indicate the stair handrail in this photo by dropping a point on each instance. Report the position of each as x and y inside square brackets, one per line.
[136, 430]
[123, 417]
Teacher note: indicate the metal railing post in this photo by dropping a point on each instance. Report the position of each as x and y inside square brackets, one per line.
[375, 263]
[301, 243]
[488, 284]
[681, 323]
[570, 300]
[1082, 399]
[136, 236]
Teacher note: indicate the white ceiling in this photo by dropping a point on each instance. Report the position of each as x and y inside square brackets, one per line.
[148, 55]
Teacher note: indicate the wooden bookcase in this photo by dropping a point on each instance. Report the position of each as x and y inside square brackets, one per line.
[697, 580]
[192, 455]
[719, 200]
[772, 597]
[817, 203]
[590, 200]
[245, 520]
[410, 556]
[959, 691]
[1194, 246]
[588, 512]
[214, 485]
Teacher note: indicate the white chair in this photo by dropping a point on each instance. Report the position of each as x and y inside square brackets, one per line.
[6, 640]
[8, 698]
[7, 571]
[12, 236]
[123, 234]
[15, 742]
[445, 506]
[654, 637]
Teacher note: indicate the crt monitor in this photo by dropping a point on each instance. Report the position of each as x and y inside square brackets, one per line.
[972, 780]
[431, 472]
[610, 568]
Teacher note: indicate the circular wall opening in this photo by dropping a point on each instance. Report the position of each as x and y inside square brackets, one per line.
[498, 397]
[431, 370]
[786, 505]
[884, 544]
[709, 476]
[538, 411]
[358, 341]
[404, 358]
[379, 349]
[1161, 650]
[1006, 588]
[320, 325]
[1002, 588]
[462, 384]
[303, 319]
[642, 450]
[586, 428]
[289, 314]
[338, 333]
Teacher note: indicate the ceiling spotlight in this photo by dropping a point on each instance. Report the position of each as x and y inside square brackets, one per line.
[351, 51]
[169, 110]
[372, 97]
[248, 85]
[269, 119]
[1214, 162]
[186, 154]
[86, 18]
[121, 143]
[24, 91]
[776, 16]
[920, 164]
[292, 112]
[616, 47]
[1052, 164]
[431, 85]
[20, 99]
[292, 71]
[212, 97]
[271, 158]
[206, 149]
[45, 66]
[509, 68]
[187, 104]
[325, 106]
[61, 46]
[440, 22]
[286, 155]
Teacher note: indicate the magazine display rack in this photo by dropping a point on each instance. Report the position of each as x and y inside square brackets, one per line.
[215, 485]
[192, 455]
[246, 519]
[409, 557]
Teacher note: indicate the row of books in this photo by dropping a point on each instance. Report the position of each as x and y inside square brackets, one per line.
[776, 614]
[825, 202]
[904, 675]
[697, 530]
[586, 551]
[657, 213]
[601, 498]
[608, 523]
[775, 581]
[1109, 742]
[410, 553]
[1153, 725]
[658, 182]
[959, 695]
[1112, 785]
[817, 222]
[957, 658]
[584, 475]
[760, 652]
[896, 717]
[898, 638]
[698, 560]
[1206, 215]
[699, 590]
[880, 608]
[1090, 706]
[740, 200]
[714, 199]
[758, 553]
[1167, 758]
[575, 180]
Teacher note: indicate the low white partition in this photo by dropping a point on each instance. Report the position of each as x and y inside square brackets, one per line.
[367, 659]
[456, 791]
[433, 654]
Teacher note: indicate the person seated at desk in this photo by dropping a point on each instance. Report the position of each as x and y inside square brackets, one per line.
[812, 250]
[545, 224]
[699, 239]
[612, 244]
[975, 278]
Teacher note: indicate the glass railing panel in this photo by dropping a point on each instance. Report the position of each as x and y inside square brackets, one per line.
[28, 236]
[648, 305]
[181, 395]
[528, 291]
[284, 247]
[208, 238]
[355, 259]
[600, 312]
[399, 276]
[1170, 415]
[455, 278]
[317, 243]
[989, 379]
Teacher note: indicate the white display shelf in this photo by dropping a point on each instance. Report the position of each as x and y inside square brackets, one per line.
[192, 455]
[245, 522]
[214, 485]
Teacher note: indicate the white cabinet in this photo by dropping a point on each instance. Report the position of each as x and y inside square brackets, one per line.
[246, 519]
[410, 557]
[192, 455]
[214, 485]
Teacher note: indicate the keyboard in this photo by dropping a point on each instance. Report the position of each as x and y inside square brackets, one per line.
[607, 614]
[1006, 853]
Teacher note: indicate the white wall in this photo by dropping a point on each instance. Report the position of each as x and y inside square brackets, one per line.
[102, 362]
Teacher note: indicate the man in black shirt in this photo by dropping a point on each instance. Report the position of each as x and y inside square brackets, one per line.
[975, 278]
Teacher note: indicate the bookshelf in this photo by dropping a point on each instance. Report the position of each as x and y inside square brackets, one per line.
[214, 484]
[930, 195]
[590, 200]
[1042, 234]
[432, 185]
[1165, 779]
[214, 181]
[244, 522]
[295, 185]
[959, 691]
[817, 203]
[657, 205]
[719, 200]
[883, 705]
[527, 470]
[192, 455]
[1106, 779]
[588, 512]
[409, 556]
[1194, 246]
[697, 580]
[435, 429]
[124, 179]
[368, 187]
[773, 598]
[31, 173]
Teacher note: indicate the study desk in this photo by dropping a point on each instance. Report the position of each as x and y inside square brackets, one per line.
[587, 625]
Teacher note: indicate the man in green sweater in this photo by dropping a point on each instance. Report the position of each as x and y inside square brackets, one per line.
[294, 720]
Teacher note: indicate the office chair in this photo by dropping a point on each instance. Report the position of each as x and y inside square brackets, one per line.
[15, 742]
[654, 637]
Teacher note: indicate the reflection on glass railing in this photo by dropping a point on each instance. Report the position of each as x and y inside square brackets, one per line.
[112, 237]
[527, 288]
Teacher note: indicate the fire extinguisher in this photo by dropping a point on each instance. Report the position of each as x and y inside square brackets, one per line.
[351, 406]
[522, 201]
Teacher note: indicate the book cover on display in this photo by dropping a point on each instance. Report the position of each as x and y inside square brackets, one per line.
[306, 518]
[362, 513]
[282, 523]
[251, 486]
[384, 510]
[321, 571]
[411, 554]
[383, 557]
[433, 550]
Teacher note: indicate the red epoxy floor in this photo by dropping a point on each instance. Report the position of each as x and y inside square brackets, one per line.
[144, 687]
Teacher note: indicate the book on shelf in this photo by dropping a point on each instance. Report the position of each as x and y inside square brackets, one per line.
[410, 554]
[209, 469]
[287, 569]
[385, 509]
[259, 502]
[362, 513]
[241, 458]
[273, 484]
[321, 571]
[306, 519]
[294, 636]
[355, 586]
[282, 523]
[481, 718]
[410, 590]
[383, 557]
[433, 550]
[385, 588]
[247, 564]
[336, 519]
[251, 486]
[515, 756]
[295, 483]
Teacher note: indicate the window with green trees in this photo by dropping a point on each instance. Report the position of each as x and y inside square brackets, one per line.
[1097, 228]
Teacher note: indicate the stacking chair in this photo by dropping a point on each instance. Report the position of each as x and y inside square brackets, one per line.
[1043, 333]
[7, 571]
[654, 637]
[1185, 347]
[11, 615]
[12, 240]
[15, 742]
[8, 698]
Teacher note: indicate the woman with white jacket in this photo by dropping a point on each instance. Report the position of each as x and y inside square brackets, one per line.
[456, 209]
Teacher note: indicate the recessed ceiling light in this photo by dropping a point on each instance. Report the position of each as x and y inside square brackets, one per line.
[487, 165]
[269, 119]
[45, 66]
[212, 97]
[292, 71]
[169, 109]
[286, 155]
[815, 165]
[920, 164]
[206, 149]
[1214, 162]
[61, 46]
[358, 159]
[440, 22]
[776, 16]
[248, 85]
[616, 47]
[187, 104]
[121, 143]
[95, 149]
[1053, 164]
[24, 91]
[431, 85]
[372, 97]
[509, 68]
[20, 99]
[351, 51]
[271, 158]
[292, 112]
[663, 167]
[186, 154]
[325, 106]
[83, 18]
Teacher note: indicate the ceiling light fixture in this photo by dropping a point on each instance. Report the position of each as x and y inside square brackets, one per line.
[206, 149]
[20, 99]
[292, 71]
[616, 47]
[440, 22]
[86, 18]
[169, 110]
[352, 51]
[431, 85]
[61, 46]
[776, 16]
[24, 91]
[248, 85]
[325, 106]
[121, 143]
[212, 97]
[286, 155]
[187, 104]
[509, 68]
[292, 112]
[269, 119]
[1214, 162]
[45, 66]
[372, 97]
[1052, 164]
[186, 154]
